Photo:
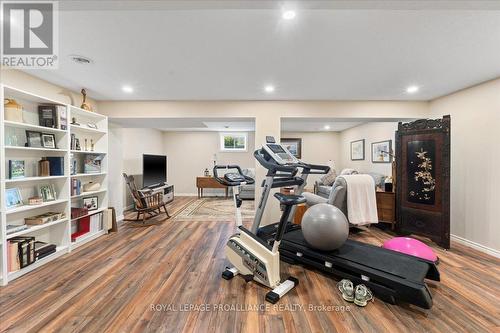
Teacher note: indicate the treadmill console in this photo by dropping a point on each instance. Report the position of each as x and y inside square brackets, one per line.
[280, 154]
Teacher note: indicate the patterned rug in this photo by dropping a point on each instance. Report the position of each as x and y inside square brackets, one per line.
[215, 209]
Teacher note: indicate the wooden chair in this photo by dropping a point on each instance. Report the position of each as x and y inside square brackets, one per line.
[146, 202]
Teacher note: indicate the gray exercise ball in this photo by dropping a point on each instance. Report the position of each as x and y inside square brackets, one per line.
[325, 227]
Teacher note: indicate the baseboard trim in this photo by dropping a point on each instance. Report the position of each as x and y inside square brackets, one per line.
[186, 194]
[120, 218]
[476, 246]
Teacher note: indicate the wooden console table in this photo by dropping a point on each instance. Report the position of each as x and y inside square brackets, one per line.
[386, 207]
[208, 182]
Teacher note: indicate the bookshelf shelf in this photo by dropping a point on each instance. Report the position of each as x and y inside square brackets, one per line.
[84, 194]
[77, 128]
[92, 212]
[60, 250]
[31, 207]
[88, 174]
[34, 127]
[88, 152]
[36, 228]
[35, 149]
[87, 238]
[34, 179]
[56, 232]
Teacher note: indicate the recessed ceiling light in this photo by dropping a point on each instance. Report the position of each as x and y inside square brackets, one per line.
[128, 89]
[289, 15]
[327, 127]
[269, 88]
[81, 59]
[412, 89]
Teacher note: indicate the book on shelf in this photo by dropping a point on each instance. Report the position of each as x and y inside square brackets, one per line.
[25, 249]
[44, 218]
[76, 186]
[43, 249]
[96, 222]
[12, 228]
[16, 169]
[13, 263]
[92, 163]
[62, 117]
[56, 165]
[82, 228]
[73, 170]
[76, 212]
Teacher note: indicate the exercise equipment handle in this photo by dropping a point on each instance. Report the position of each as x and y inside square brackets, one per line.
[229, 182]
[274, 167]
[314, 169]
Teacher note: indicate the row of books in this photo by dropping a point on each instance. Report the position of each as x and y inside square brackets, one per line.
[85, 226]
[76, 186]
[24, 251]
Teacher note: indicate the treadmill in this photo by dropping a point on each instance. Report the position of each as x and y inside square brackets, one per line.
[392, 276]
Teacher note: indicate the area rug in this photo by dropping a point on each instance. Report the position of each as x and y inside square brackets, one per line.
[215, 209]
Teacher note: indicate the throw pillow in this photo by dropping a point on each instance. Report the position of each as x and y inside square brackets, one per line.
[329, 178]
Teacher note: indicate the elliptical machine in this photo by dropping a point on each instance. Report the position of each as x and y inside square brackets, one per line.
[251, 257]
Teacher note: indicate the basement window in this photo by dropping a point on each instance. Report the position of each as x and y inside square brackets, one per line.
[233, 142]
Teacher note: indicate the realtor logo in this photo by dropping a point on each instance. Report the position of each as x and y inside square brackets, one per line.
[29, 34]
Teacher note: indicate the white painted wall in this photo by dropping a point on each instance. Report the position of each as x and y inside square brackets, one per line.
[371, 132]
[126, 146]
[475, 161]
[317, 148]
[189, 153]
[26, 82]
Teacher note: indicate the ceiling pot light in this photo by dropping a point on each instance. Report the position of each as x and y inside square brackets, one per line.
[81, 59]
[128, 89]
[289, 15]
[412, 89]
[326, 127]
[269, 88]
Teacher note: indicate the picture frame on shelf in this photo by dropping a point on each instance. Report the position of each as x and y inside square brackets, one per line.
[34, 139]
[382, 151]
[16, 169]
[358, 150]
[49, 140]
[47, 192]
[47, 115]
[294, 146]
[13, 198]
[91, 203]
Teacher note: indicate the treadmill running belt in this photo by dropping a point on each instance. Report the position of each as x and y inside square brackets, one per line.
[368, 255]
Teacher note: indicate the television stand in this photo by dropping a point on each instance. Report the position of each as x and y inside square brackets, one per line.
[168, 191]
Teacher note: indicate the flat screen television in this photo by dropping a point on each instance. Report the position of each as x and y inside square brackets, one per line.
[154, 170]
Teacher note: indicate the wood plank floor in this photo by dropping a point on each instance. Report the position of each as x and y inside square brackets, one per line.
[113, 283]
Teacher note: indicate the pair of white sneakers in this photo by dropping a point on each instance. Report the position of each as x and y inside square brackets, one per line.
[360, 295]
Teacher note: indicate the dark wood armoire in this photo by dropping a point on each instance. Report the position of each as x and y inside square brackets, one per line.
[423, 179]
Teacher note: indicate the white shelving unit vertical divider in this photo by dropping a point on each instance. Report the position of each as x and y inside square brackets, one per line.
[3, 217]
[59, 233]
[67, 169]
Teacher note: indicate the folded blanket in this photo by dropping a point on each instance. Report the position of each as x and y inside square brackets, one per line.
[361, 200]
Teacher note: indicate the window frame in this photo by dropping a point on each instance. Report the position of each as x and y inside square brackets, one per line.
[223, 135]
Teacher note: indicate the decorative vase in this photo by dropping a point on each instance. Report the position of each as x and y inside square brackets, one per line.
[43, 167]
[13, 110]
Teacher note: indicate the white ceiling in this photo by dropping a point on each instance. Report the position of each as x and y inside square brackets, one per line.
[228, 50]
[243, 124]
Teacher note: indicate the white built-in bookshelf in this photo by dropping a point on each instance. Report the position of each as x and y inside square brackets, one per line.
[12, 147]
